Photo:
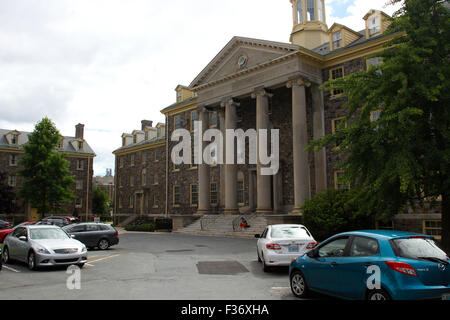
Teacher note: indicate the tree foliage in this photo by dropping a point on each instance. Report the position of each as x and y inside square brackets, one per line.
[100, 202]
[335, 211]
[403, 157]
[48, 179]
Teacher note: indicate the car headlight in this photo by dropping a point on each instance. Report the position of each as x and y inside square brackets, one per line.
[83, 249]
[42, 250]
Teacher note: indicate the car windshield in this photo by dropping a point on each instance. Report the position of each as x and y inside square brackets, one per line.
[418, 248]
[48, 234]
[289, 233]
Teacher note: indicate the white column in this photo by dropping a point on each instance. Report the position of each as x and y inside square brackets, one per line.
[204, 203]
[300, 142]
[231, 205]
[263, 183]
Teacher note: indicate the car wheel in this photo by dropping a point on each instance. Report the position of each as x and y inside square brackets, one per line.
[378, 295]
[31, 261]
[298, 285]
[6, 255]
[103, 244]
[266, 268]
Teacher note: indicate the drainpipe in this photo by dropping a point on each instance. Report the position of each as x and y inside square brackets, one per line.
[167, 167]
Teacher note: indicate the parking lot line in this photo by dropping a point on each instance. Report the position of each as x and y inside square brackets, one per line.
[101, 259]
[11, 269]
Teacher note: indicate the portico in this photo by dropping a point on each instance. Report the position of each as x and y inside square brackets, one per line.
[245, 77]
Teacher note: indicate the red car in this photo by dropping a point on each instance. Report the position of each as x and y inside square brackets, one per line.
[5, 232]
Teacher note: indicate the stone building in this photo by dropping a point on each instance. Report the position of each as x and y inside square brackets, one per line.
[260, 84]
[77, 152]
[105, 183]
[140, 172]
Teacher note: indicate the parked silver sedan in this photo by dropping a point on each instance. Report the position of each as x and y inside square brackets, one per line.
[43, 246]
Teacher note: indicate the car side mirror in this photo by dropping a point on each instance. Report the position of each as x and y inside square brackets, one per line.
[257, 236]
[23, 238]
[313, 253]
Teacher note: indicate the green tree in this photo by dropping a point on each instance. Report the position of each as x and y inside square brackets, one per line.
[100, 202]
[7, 195]
[403, 157]
[335, 211]
[48, 180]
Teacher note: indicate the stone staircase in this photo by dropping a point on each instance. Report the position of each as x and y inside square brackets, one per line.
[226, 226]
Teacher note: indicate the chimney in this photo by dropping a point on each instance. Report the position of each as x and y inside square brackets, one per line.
[146, 123]
[79, 131]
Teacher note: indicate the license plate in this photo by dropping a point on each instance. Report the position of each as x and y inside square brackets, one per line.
[446, 296]
[293, 249]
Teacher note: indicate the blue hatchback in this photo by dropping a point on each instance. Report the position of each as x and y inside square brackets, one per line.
[373, 265]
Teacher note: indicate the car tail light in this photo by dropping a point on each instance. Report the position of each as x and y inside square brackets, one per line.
[311, 245]
[116, 234]
[273, 246]
[402, 268]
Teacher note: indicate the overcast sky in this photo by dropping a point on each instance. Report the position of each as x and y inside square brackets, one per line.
[111, 63]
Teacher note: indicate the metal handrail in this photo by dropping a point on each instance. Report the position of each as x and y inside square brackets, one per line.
[206, 221]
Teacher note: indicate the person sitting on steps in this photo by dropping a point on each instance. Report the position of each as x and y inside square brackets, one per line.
[244, 224]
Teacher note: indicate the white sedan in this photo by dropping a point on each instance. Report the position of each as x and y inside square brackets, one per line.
[279, 244]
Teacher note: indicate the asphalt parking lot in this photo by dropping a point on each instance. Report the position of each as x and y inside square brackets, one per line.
[161, 266]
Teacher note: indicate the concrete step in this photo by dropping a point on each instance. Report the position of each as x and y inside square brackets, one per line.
[222, 225]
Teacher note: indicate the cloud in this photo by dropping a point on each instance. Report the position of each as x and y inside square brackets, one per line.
[111, 63]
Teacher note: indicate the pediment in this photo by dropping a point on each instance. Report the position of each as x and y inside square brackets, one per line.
[240, 54]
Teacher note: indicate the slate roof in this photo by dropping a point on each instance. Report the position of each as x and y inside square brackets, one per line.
[24, 139]
[142, 143]
[324, 49]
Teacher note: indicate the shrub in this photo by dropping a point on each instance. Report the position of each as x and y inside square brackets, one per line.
[335, 211]
[146, 227]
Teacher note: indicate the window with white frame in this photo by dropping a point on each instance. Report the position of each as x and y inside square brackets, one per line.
[194, 195]
[337, 39]
[176, 195]
[80, 164]
[12, 181]
[374, 26]
[13, 160]
[15, 139]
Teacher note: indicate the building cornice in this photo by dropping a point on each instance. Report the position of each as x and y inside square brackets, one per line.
[139, 148]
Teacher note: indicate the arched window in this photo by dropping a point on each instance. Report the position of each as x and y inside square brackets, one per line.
[299, 11]
[310, 7]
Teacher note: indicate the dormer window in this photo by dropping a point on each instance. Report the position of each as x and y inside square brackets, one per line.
[134, 138]
[337, 40]
[158, 132]
[15, 139]
[80, 145]
[179, 95]
[374, 26]
[124, 142]
[61, 144]
[146, 135]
